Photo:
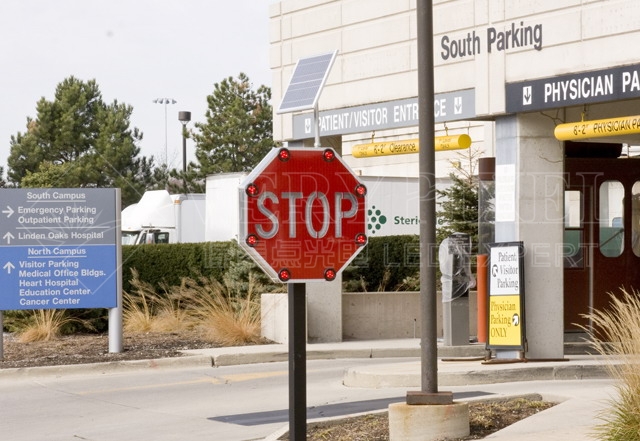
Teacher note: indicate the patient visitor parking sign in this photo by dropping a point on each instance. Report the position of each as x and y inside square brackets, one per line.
[506, 297]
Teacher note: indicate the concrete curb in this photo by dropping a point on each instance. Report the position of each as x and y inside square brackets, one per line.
[106, 368]
[375, 377]
[233, 357]
[222, 357]
[383, 376]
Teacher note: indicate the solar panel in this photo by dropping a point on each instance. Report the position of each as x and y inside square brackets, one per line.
[307, 82]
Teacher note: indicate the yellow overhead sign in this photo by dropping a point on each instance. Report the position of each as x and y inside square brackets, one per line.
[599, 128]
[442, 143]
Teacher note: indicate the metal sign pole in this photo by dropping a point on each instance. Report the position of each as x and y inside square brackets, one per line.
[297, 361]
[316, 123]
[426, 158]
[115, 314]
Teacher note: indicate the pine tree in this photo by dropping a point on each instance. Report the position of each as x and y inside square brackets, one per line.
[237, 133]
[78, 140]
[458, 209]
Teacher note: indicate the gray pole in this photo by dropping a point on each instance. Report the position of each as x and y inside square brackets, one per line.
[316, 122]
[115, 314]
[184, 118]
[184, 151]
[426, 158]
[165, 101]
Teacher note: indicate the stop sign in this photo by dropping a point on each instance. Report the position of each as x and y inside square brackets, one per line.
[302, 214]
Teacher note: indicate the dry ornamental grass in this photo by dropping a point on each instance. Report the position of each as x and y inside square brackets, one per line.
[615, 336]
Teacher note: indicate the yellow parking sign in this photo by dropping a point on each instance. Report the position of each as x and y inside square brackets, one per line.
[505, 314]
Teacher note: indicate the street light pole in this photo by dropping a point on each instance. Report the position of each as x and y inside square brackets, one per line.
[184, 118]
[165, 101]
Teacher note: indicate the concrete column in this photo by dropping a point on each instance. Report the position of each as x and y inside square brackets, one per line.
[324, 311]
[274, 313]
[529, 175]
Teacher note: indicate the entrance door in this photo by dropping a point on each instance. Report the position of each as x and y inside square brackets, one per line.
[577, 255]
[602, 222]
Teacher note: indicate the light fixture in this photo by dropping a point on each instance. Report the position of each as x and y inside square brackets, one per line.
[165, 101]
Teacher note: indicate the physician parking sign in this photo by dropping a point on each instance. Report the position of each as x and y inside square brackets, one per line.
[506, 296]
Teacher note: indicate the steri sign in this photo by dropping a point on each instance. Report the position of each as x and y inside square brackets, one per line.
[303, 214]
[393, 205]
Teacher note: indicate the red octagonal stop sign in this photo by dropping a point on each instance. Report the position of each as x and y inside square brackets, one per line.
[302, 214]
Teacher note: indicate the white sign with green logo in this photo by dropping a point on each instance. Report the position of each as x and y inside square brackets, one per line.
[392, 206]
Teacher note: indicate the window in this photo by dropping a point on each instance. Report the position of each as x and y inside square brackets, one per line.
[162, 237]
[611, 218]
[573, 252]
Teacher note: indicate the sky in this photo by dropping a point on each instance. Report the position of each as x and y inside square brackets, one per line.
[137, 51]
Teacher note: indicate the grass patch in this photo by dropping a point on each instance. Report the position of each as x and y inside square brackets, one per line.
[616, 335]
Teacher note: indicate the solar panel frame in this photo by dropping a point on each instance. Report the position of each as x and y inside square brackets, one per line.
[308, 78]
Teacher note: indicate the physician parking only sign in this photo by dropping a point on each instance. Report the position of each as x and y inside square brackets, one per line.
[506, 296]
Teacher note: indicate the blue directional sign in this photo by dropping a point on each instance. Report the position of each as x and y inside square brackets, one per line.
[58, 248]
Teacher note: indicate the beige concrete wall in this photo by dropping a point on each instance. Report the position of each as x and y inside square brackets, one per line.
[382, 315]
[274, 317]
[365, 316]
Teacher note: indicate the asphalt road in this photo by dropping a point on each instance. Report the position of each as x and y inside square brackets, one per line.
[225, 403]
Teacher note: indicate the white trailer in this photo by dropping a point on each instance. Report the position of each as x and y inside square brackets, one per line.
[222, 206]
[163, 218]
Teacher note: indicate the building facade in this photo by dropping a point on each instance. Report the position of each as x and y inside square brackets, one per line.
[510, 74]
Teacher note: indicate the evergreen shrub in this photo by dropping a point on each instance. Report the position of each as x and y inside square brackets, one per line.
[386, 264]
[168, 264]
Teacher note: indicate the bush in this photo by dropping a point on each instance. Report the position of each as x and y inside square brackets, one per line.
[615, 336]
[167, 264]
[389, 263]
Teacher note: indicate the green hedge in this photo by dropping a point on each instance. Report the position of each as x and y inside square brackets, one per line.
[386, 263]
[169, 263]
